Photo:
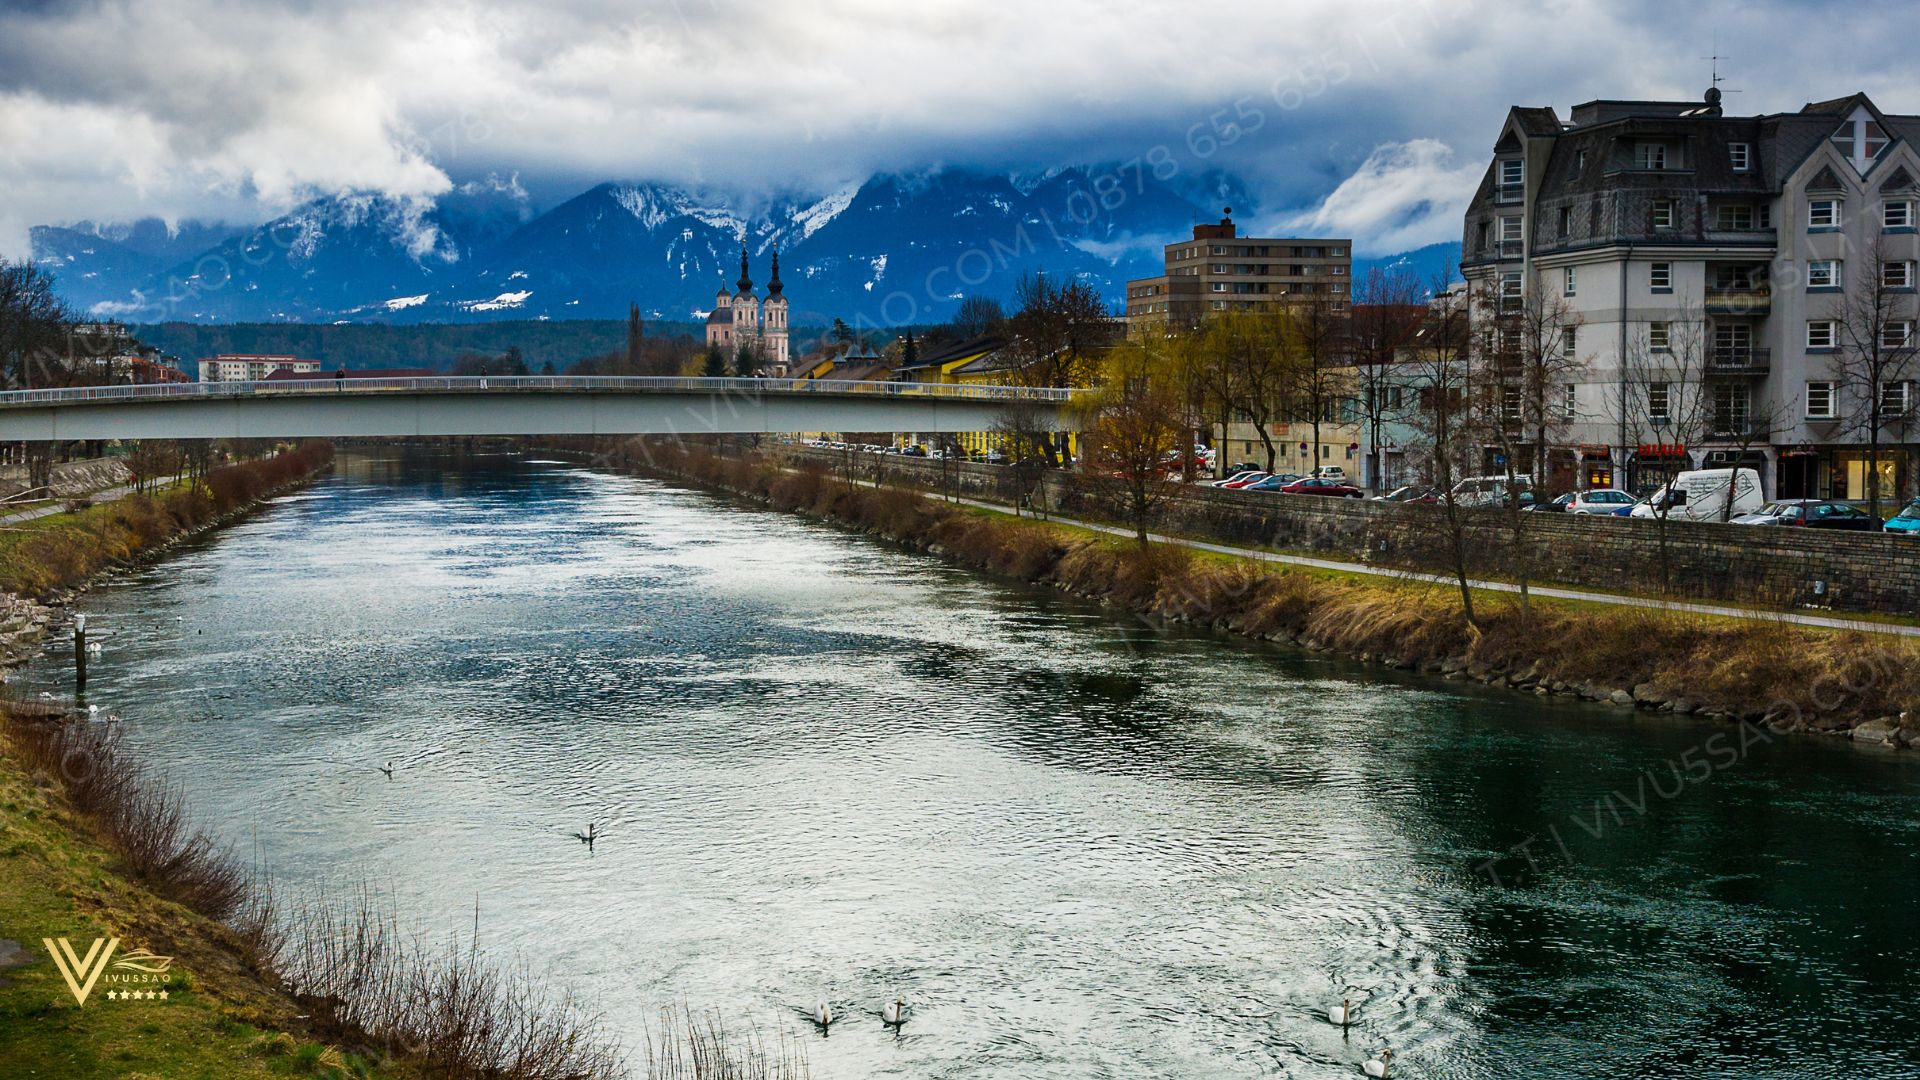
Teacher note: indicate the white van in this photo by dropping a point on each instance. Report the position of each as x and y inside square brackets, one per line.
[1701, 495]
[1490, 490]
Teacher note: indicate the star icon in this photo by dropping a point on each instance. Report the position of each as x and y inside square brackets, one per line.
[163, 995]
[113, 995]
[148, 995]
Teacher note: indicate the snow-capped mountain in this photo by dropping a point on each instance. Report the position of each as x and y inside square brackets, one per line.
[897, 248]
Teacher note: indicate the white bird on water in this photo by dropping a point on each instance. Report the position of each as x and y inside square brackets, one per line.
[388, 769]
[589, 836]
[1377, 1067]
[1342, 1014]
[894, 1013]
[822, 1015]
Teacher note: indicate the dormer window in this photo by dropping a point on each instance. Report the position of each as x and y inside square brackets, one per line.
[1740, 156]
[1861, 140]
[1650, 155]
[1513, 172]
[1823, 214]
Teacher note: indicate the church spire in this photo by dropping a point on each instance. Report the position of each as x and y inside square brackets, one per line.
[773, 284]
[746, 282]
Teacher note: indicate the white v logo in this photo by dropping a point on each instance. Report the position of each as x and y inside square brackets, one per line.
[81, 974]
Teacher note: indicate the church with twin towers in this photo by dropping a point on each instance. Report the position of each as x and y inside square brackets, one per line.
[741, 317]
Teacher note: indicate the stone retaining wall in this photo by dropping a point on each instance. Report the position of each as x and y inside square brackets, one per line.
[1784, 567]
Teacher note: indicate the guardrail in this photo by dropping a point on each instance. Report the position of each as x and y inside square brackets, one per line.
[494, 384]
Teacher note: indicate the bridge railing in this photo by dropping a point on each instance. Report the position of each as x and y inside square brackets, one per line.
[488, 384]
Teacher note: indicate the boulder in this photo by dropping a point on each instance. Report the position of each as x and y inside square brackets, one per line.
[1645, 694]
[1621, 697]
[1880, 730]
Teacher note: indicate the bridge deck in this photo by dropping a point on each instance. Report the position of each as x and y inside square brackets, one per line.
[512, 405]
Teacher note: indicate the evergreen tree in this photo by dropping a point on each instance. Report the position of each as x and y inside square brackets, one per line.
[743, 360]
[841, 332]
[636, 340]
[716, 363]
[909, 352]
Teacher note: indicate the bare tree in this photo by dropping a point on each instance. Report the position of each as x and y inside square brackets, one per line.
[1663, 399]
[1248, 365]
[1024, 433]
[33, 328]
[977, 316]
[1057, 336]
[1387, 314]
[1314, 338]
[1438, 364]
[1135, 420]
[1874, 355]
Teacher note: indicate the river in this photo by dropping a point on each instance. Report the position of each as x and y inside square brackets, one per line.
[1078, 846]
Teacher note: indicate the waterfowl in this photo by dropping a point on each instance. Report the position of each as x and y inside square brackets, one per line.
[388, 769]
[1341, 1014]
[823, 1014]
[589, 836]
[894, 1013]
[1377, 1067]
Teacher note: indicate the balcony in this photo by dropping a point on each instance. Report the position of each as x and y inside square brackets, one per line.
[1739, 300]
[1740, 360]
[1508, 249]
[1506, 194]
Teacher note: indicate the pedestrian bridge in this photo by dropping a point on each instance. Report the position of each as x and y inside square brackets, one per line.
[516, 405]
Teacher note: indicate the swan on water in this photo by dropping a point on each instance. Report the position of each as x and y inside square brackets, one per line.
[589, 836]
[388, 769]
[822, 1014]
[1342, 1014]
[894, 1013]
[1378, 1066]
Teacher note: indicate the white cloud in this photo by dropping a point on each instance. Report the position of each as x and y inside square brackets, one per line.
[1405, 195]
[237, 108]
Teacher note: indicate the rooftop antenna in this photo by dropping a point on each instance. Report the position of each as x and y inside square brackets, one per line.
[1715, 61]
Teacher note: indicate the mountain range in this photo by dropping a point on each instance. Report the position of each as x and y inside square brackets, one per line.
[892, 250]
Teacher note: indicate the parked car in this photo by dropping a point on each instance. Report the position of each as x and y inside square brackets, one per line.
[1907, 521]
[1331, 472]
[1492, 490]
[1315, 485]
[1273, 483]
[1812, 514]
[1238, 474]
[1249, 478]
[1598, 502]
[1702, 495]
[1411, 493]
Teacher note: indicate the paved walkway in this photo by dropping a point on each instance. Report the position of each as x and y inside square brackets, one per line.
[1829, 622]
[59, 505]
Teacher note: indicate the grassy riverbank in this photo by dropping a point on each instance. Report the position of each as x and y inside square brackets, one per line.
[1798, 678]
[62, 550]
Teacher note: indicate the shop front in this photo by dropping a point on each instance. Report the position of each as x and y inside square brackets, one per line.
[1653, 464]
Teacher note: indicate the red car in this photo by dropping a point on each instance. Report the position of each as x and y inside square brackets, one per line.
[1315, 486]
[1244, 481]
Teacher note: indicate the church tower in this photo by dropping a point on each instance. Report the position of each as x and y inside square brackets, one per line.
[774, 323]
[746, 306]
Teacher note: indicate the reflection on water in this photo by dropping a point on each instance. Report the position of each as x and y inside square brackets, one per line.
[826, 768]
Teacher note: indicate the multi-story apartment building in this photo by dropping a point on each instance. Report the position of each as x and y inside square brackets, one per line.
[1220, 270]
[250, 367]
[1645, 223]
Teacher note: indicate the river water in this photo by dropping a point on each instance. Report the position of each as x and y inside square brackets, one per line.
[827, 768]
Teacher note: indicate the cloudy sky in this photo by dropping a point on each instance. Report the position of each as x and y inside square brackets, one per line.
[1359, 117]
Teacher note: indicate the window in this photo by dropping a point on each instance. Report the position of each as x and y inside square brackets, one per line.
[1486, 235]
[1569, 341]
[1823, 274]
[1663, 213]
[1732, 407]
[1650, 155]
[1513, 172]
[1820, 401]
[1510, 229]
[1897, 334]
[1659, 336]
[1659, 401]
[1509, 341]
[1823, 214]
[1896, 275]
[1736, 217]
[1820, 334]
[1510, 287]
[1569, 281]
[1510, 403]
[1566, 222]
[1898, 214]
[1570, 402]
[1219, 286]
[1895, 397]
[1740, 156]
[1660, 277]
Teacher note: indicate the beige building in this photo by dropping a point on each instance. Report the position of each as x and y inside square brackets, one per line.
[250, 367]
[1220, 270]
